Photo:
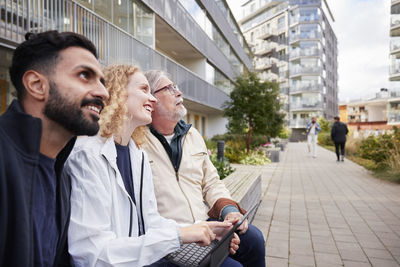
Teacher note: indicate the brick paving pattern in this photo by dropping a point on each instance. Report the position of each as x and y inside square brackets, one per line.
[317, 212]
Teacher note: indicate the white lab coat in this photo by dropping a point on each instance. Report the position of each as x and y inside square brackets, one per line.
[101, 209]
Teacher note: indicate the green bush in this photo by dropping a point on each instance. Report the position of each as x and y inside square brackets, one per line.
[285, 133]
[324, 139]
[256, 140]
[223, 167]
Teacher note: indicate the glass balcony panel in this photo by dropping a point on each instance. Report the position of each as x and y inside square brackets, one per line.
[103, 8]
[121, 16]
[299, 123]
[395, 20]
[393, 117]
[394, 68]
[395, 44]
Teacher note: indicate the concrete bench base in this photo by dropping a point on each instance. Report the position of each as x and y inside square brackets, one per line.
[245, 188]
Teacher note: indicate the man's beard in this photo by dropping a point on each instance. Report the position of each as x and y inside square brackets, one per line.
[172, 116]
[70, 116]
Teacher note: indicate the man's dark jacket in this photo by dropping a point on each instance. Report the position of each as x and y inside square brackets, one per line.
[20, 135]
[339, 131]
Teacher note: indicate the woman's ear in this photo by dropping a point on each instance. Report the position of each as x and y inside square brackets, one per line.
[36, 85]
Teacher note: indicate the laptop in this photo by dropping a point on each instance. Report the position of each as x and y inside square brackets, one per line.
[192, 255]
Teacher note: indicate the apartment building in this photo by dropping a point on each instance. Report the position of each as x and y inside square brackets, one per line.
[294, 45]
[394, 69]
[373, 114]
[196, 41]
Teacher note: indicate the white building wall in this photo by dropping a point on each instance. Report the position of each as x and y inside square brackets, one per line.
[198, 66]
[376, 113]
[216, 125]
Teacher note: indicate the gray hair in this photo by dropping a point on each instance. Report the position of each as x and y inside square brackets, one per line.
[154, 77]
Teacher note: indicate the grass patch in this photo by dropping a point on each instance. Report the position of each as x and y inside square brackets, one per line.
[387, 174]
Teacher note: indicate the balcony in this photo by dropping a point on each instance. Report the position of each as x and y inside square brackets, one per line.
[305, 106]
[267, 33]
[394, 69]
[296, 89]
[395, 7]
[299, 70]
[298, 123]
[395, 25]
[395, 45]
[112, 43]
[314, 18]
[265, 63]
[264, 48]
[294, 38]
[310, 52]
[393, 117]
[268, 76]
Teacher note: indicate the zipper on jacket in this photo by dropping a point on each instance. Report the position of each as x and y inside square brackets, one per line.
[187, 199]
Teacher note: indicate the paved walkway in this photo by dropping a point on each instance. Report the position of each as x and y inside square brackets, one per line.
[317, 212]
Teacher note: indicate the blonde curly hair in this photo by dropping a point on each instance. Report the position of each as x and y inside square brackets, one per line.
[115, 111]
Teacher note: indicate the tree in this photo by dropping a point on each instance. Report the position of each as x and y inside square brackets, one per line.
[254, 108]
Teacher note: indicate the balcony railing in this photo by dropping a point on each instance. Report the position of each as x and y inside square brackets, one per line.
[393, 117]
[305, 106]
[394, 69]
[298, 123]
[310, 52]
[113, 44]
[304, 36]
[298, 70]
[268, 76]
[267, 32]
[264, 48]
[265, 63]
[306, 88]
[395, 44]
[394, 20]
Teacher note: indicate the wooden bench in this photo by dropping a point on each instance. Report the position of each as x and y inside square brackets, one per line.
[245, 188]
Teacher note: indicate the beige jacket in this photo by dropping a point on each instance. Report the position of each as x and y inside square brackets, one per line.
[187, 195]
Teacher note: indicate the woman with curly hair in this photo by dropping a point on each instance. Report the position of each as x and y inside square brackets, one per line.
[114, 218]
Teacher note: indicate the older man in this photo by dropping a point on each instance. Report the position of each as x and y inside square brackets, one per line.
[60, 92]
[187, 185]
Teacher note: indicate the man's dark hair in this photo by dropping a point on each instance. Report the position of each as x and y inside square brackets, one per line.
[40, 53]
[336, 118]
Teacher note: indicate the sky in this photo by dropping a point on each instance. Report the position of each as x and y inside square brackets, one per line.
[362, 29]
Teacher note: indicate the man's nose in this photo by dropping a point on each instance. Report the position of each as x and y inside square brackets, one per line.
[101, 92]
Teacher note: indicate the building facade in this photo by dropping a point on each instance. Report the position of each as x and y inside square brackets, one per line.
[294, 45]
[374, 114]
[196, 41]
[394, 69]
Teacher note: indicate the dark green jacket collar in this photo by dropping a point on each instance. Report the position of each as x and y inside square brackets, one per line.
[174, 150]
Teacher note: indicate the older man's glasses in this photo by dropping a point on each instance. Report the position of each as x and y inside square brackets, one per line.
[172, 89]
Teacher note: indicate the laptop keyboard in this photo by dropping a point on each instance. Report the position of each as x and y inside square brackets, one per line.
[191, 254]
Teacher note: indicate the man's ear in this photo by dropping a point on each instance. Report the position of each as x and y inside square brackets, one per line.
[36, 85]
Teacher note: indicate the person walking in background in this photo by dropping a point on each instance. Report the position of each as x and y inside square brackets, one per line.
[312, 129]
[338, 135]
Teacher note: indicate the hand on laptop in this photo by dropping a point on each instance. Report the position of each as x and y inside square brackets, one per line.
[204, 232]
[234, 217]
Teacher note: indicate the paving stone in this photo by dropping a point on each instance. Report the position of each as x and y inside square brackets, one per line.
[325, 248]
[301, 260]
[276, 262]
[330, 216]
[356, 264]
[323, 259]
[378, 253]
[383, 263]
[353, 255]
